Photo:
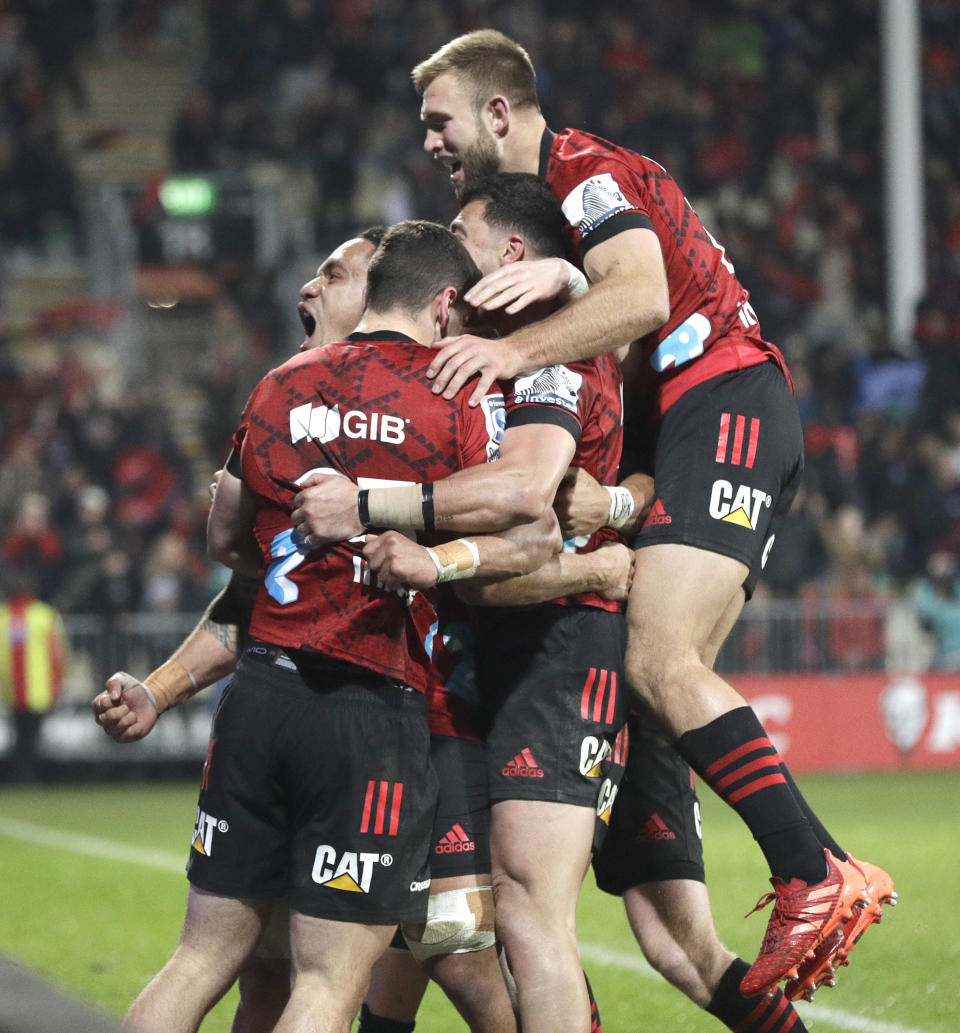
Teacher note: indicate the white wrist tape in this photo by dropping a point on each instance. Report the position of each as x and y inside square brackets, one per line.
[455, 560]
[400, 506]
[577, 283]
[621, 507]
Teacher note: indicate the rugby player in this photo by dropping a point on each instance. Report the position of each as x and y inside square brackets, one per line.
[330, 306]
[357, 666]
[728, 456]
[550, 675]
[653, 854]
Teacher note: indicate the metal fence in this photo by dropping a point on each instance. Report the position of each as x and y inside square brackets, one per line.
[772, 637]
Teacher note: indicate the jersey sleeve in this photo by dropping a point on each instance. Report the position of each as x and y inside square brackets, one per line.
[558, 395]
[481, 428]
[599, 198]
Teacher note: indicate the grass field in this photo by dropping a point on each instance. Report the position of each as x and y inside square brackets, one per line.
[93, 894]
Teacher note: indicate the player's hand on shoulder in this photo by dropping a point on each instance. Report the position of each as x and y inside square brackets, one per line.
[398, 562]
[124, 710]
[325, 510]
[582, 504]
[515, 286]
[618, 565]
[460, 358]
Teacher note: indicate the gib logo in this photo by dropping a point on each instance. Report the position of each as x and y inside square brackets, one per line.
[738, 506]
[203, 831]
[351, 870]
[323, 423]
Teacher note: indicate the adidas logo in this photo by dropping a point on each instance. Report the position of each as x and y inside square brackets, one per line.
[522, 766]
[456, 841]
[657, 515]
[655, 829]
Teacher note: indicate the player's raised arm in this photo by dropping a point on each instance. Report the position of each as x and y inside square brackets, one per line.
[628, 298]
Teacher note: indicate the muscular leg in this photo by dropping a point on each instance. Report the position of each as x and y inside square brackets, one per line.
[331, 968]
[264, 985]
[264, 980]
[218, 935]
[673, 641]
[397, 986]
[672, 634]
[674, 926]
[540, 851]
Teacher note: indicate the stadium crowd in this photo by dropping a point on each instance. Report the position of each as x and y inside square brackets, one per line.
[767, 114]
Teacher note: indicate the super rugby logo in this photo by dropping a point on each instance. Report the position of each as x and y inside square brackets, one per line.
[323, 423]
[495, 417]
[552, 385]
[203, 830]
[593, 201]
[351, 870]
[740, 505]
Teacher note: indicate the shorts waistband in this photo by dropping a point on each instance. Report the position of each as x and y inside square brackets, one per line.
[318, 671]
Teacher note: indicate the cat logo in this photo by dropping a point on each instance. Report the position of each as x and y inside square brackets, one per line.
[741, 507]
[605, 798]
[203, 832]
[352, 871]
[593, 752]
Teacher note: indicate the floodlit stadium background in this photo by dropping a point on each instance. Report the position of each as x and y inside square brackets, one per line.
[171, 172]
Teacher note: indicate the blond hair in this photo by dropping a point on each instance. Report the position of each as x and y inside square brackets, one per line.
[488, 63]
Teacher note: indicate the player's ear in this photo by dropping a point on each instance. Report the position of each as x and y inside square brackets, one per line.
[443, 303]
[498, 112]
[513, 249]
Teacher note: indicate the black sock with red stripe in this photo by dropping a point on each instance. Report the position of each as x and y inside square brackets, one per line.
[751, 1014]
[734, 756]
[596, 1026]
[826, 840]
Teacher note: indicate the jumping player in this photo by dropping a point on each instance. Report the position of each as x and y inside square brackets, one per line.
[728, 454]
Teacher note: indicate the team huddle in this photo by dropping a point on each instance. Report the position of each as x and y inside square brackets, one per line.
[471, 638]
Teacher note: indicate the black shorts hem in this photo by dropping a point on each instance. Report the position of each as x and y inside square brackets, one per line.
[689, 538]
[667, 872]
[220, 889]
[546, 796]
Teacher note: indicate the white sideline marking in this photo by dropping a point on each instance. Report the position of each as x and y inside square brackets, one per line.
[160, 860]
[92, 846]
[831, 1016]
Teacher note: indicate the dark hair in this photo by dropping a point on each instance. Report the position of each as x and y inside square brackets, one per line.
[414, 262]
[373, 234]
[522, 202]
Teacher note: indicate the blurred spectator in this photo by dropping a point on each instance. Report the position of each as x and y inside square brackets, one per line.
[32, 543]
[32, 655]
[936, 602]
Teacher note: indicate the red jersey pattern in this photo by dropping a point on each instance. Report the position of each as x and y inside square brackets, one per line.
[590, 394]
[363, 409]
[445, 628]
[712, 328]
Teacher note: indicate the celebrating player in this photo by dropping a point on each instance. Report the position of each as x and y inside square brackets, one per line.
[728, 454]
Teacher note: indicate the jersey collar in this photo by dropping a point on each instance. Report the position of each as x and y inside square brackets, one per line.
[546, 144]
[380, 335]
